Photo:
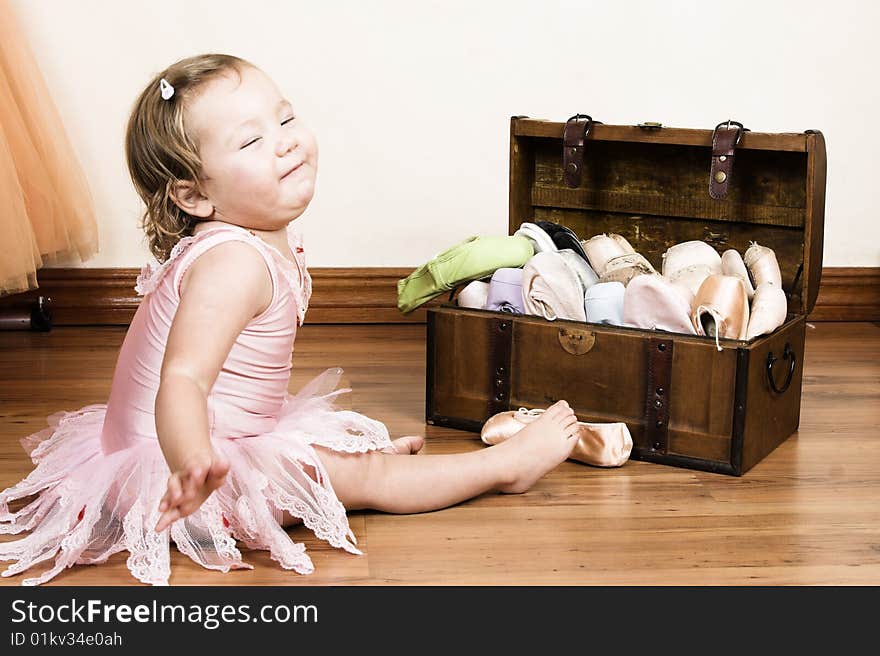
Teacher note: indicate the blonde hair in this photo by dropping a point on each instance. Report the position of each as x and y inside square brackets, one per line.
[161, 152]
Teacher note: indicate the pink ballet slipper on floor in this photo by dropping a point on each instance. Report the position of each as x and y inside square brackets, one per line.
[599, 444]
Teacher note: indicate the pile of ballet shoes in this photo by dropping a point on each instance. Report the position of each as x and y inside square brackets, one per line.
[599, 444]
[604, 280]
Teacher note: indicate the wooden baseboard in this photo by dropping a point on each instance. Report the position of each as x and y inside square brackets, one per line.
[848, 294]
[85, 296]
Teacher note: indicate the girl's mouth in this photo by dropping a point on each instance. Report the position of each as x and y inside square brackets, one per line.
[295, 168]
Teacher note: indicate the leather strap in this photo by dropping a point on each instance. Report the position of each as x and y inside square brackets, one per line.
[725, 138]
[500, 347]
[657, 394]
[573, 138]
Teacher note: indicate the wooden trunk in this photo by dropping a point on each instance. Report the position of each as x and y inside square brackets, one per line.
[686, 403]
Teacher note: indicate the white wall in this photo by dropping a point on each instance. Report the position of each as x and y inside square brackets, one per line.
[410, 100]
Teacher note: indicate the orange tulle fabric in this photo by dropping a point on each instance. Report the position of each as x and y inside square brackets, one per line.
[46, 210]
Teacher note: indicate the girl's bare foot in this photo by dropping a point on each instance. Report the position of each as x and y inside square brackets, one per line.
[538, 448]
[406, 445]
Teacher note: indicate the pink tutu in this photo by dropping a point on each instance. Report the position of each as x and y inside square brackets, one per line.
[100, 472]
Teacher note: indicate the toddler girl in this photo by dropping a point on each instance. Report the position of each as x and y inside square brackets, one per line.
[199, 441]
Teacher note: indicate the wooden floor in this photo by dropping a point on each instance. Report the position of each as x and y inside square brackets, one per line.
[808, 514]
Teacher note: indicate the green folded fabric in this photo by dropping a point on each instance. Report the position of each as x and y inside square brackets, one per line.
[474, 258]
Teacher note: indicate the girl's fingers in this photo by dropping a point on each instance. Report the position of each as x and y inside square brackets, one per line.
[164, 501]
[175, 488]
[188, 489]
[167, 518]
[192, 481]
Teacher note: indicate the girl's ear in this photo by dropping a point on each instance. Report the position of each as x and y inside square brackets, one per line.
[187, 197]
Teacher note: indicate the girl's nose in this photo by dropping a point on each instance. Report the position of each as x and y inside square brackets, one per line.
[285, 144]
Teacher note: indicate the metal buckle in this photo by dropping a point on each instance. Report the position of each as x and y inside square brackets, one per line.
[739, 127]
[577, 116]
[588, 125]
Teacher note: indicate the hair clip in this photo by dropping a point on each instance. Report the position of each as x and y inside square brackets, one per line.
[167, 89]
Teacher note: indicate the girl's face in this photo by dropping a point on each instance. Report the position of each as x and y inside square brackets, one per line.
[259, 160]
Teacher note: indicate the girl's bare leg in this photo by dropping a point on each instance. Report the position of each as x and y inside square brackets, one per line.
[410, 485]
[408, 445]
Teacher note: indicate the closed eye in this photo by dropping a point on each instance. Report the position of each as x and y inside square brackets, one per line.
[285, 122]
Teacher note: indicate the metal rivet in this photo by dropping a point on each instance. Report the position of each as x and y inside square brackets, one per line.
[723, 158]
[721, 176]
[573, 151]
[661, 347]
[499, 382]
[658, 403]
[498, 397]
[573, 167]
[660, 424]
[657, 445]
[499, 371]
[503, 325]
[660, 391]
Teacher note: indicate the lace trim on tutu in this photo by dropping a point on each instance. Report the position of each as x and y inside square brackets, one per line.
[89, 506]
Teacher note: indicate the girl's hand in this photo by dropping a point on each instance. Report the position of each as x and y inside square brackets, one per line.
[189, 487]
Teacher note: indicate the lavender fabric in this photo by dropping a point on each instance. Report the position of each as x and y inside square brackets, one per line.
[505, 291]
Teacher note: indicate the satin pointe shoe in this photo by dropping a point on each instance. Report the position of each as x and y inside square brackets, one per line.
[600, 249]
[504, 425]
[721, 308]
[473, 295]
[602, 444]
[624, 244]
[769, 310]
[581, 268]
[688, 254]
[505, 291]
[732, 265]
[687, 281]
[599, 444]
[624, 268]
[652, 302]
[563, 237]
[603, 303]
[541, 241]
[762, 265]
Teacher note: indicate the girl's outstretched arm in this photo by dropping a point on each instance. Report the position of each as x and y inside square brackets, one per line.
[221, 292]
